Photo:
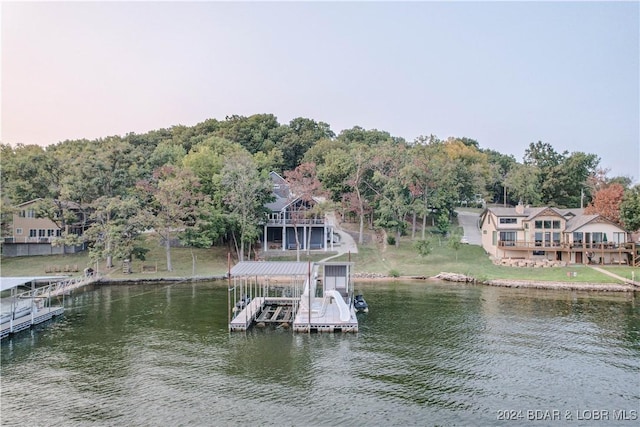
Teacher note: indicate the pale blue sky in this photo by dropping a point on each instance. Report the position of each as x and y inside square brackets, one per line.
[503, 73]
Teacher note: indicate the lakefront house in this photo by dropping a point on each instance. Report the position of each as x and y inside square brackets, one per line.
[32, 234]
[564, 236]
[294, 223]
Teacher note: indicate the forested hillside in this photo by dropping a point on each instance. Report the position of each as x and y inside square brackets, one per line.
[206, 184]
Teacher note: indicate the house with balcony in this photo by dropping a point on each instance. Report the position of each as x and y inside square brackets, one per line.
[553, 234]
[33, 234]
[293, 223]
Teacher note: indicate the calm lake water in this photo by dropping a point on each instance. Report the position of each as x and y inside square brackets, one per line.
[426, 354]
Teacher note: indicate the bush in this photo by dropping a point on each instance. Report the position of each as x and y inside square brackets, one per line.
[394, 273]
[391, 240]
[423, 247]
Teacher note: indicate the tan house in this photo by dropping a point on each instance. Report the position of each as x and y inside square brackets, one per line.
[29, 228]
[34, 235]
[552, 234]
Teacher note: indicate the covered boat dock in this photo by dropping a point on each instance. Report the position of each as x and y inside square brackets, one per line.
[262, 293]
[24, 304]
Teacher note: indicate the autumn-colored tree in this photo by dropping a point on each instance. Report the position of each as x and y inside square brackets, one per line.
[606, 202]
[304, 185]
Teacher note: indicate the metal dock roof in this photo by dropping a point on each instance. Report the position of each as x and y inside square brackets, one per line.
[270, 268]
[7, 283]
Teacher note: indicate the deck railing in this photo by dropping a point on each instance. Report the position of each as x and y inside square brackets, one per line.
[520, 245]
[302, 221]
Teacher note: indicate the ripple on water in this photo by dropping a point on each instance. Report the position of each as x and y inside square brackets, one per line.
[425, 354]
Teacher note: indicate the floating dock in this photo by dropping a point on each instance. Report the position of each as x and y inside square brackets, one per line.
[26, 301]
[27, 321]
[305, 297]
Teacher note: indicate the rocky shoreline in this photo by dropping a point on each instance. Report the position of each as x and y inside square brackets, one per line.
[507, 283]
[511, 283]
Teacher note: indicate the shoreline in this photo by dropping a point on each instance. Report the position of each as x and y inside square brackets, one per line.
[509, 283]
[503, 283]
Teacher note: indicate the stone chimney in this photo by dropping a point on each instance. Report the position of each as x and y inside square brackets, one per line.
[520, 208]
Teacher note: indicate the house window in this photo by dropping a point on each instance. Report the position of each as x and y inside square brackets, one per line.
[556, 224]
[508, 220]
[494, 238]
[619, 238]
[19, 231]
[577, 238]
[33, 232]
[58, 233]
[526, 225]
[41, 233]
[538, 238]
[556, 239]
[547, 224]
[31, 213]
[538, 224]
[51, 232]
[508, 238]
[539, 252]
[596, 237]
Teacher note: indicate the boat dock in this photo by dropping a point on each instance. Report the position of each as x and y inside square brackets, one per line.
[27, 301]
[28, 320]
[302, 296]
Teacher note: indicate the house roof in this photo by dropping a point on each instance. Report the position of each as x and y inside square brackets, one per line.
[278, 204]
[575, 217]
[578, 221]
[65, 203]
[280, 185]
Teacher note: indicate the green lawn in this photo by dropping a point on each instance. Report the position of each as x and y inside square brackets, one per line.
[403, 260]
[209, 262]
[471, 261]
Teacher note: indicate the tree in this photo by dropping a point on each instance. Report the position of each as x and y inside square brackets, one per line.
[455, 242]
[630, 208]
[606, 202]
[113, 229]
[174, 204]
[344, 173]
[423, 247]
[392, 195]
[522, 182]
[247, 192]
[561, 177]
[303, 134]
[304, 185]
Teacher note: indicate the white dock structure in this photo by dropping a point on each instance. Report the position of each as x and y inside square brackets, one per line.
[262, 293]
[26, 301]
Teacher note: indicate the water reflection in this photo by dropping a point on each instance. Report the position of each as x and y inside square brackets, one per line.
[426, 353]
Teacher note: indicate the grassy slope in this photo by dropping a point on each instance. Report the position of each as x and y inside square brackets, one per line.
[372, 258]
[471, 260]
[209, 262]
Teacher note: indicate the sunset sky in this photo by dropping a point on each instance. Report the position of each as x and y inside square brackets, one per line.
[503, 73]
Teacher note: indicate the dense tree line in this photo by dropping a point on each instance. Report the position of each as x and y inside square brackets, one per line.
[207, 184]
